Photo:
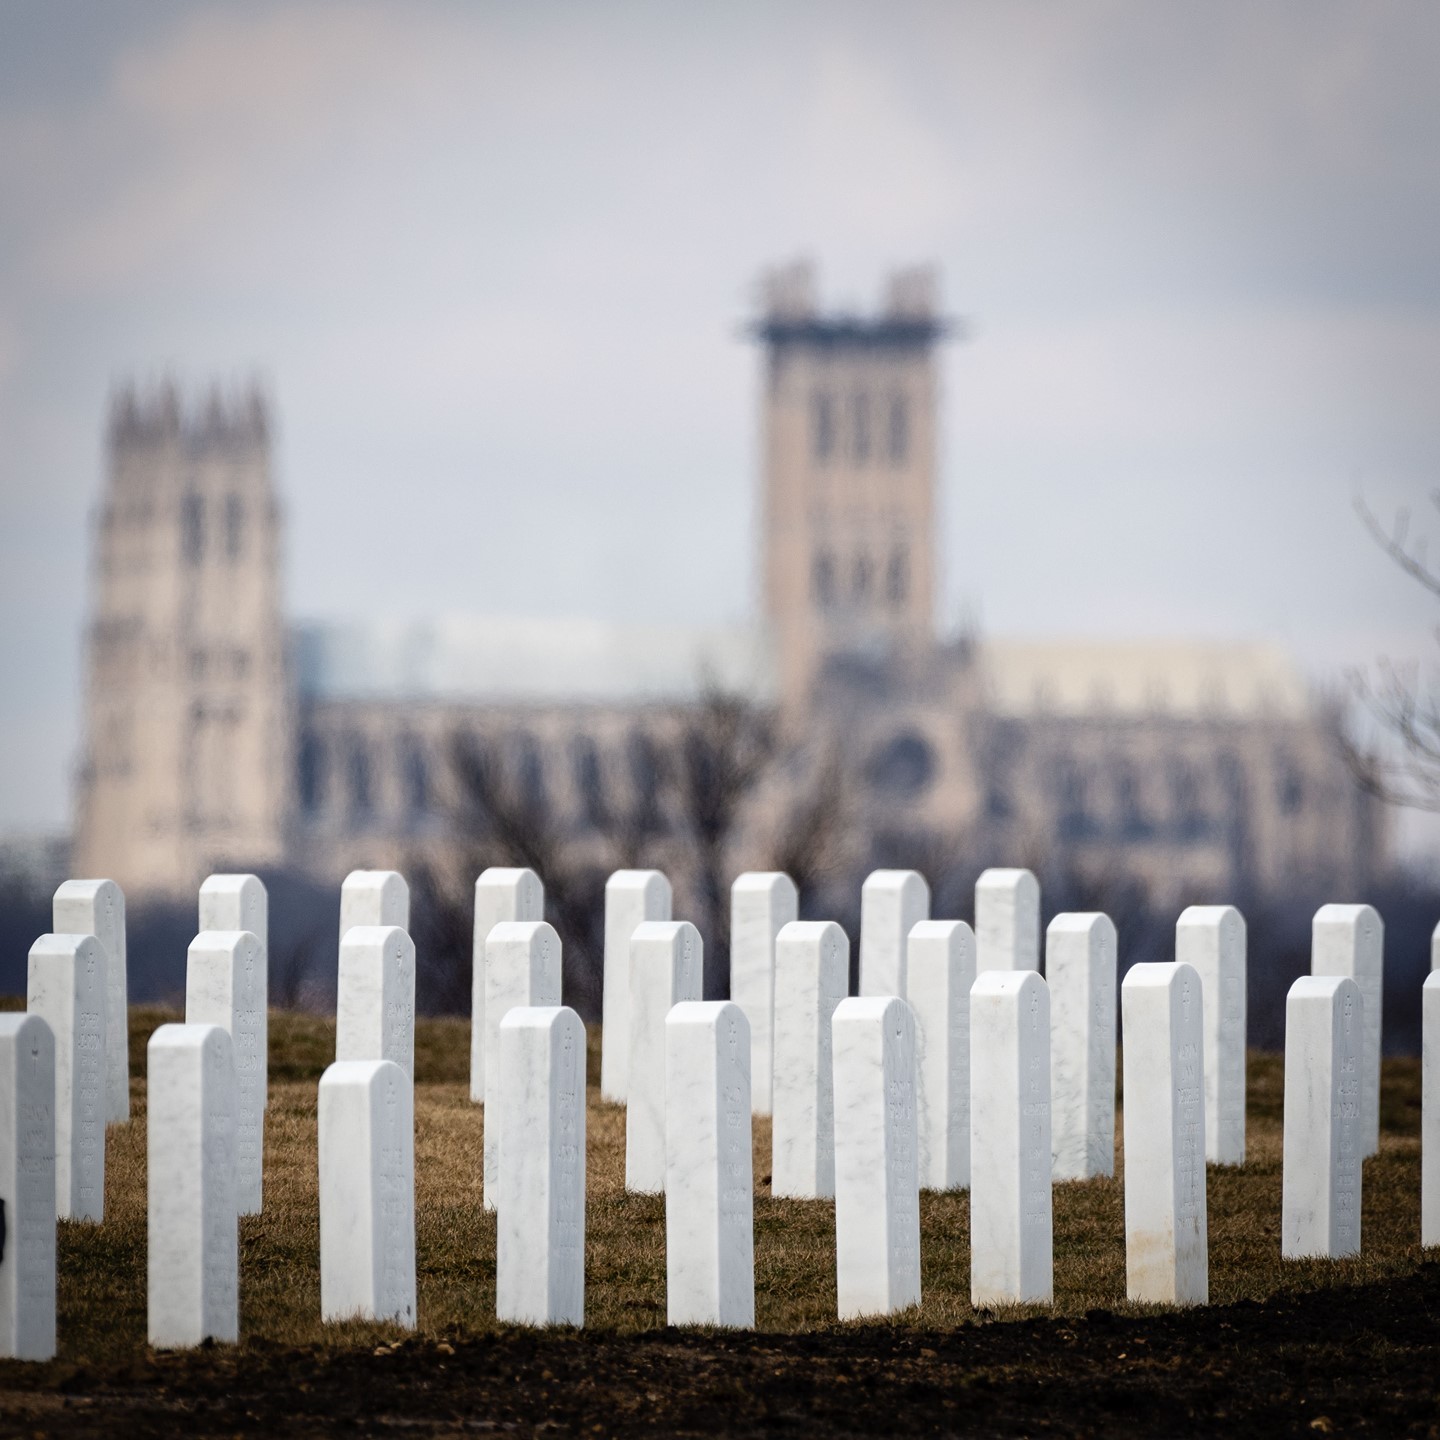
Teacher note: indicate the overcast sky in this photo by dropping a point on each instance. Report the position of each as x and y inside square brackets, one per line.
[493, 261]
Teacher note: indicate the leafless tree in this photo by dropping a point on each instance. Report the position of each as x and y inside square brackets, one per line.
[1403, 700]
[810, 847]
[495, 816]
[724, 748]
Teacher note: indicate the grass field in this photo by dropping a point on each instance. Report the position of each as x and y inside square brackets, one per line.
[102, 1268]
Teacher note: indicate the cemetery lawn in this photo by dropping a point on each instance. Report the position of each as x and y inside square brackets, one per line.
[1309, 1348]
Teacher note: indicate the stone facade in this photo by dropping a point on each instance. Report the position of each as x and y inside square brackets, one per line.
[1202, 771]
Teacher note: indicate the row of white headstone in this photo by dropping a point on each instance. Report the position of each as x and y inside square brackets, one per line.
[877, 1068]
[906, 1126]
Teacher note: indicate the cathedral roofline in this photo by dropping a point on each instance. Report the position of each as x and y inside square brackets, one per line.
[200, 420]
[852, 331]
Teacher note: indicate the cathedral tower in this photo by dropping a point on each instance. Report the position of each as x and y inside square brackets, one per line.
[849, 478]
[188, 723]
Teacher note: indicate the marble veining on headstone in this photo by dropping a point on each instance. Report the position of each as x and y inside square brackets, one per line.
[1080, 971]
[366, 1125]
[761, 905]
[522, 968]
[375, 996]
[540, 1228]
[27, 1186]
[374, 897]
[1007, 921]
[666, 967]
[1011, 1236]
[1211, 939]
[632, 897]
[501, 894]
[66, 987]
[1320, 1189]
[241, 902]
[892, 903]
[1350, 940]
[97, 907]
[877, 1176]
[941, 972]
[223, 987]
[193, 1251]
[812, 976]
[709, 1187]
[1166, 1240]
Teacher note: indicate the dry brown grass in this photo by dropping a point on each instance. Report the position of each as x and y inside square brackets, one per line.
[102, 1268]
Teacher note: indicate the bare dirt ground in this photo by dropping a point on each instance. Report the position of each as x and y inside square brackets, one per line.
[1309, 1348]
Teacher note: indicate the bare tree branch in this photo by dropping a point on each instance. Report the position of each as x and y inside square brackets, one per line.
[1403, 705]
[1396, 544]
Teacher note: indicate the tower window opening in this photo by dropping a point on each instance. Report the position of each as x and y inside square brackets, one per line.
[192, 529]
[897, 580]
[362, 793]
[415, 778]
[234, 526]
[860, 418]
[899, 436]
[862, 577]
[823, 418]
[312, 773]
[824, 580]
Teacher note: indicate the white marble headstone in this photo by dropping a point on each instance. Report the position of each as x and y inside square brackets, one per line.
[892, 903]
[1435, 947]
[97, 907]
[522, 969]
[1080, 971]
[540, 1231]
[1320, 1190]
[374, 897]
[1350, 940]
[1166, 1245]
[762, 903]
[666, 967]
[709, 1185]
[367, 1192]
[1011, 1236]
[27, 1185]
[812, 976]
[194, 1230]
[241, 902]
[224, 987]
[941, 971]
[1430, 1111]
[631, 898]
[375, 999]
[501, 894]
[66, 988]
[877, 1176]
[1007, 920]
[1211, 939]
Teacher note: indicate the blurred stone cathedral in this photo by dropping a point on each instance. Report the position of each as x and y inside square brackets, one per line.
[216, 737]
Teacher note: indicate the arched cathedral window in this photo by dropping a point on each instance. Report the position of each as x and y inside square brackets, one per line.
[234, 526]
[897, 580]
[823, 580]
[822, 415]
[192, 529]
[860, 426]
[899, 430]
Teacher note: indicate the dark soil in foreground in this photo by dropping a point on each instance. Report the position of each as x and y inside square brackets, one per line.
[1339, 1361]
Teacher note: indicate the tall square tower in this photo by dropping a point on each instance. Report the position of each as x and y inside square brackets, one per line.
[849, 422]
[187, 760]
